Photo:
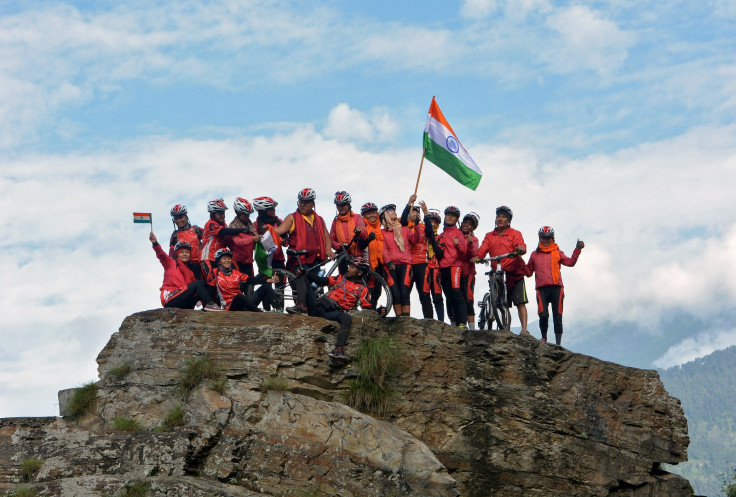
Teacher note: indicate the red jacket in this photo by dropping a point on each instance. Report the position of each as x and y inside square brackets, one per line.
[496, 244]
[540, 264]
[242, 246]
[193, 235]
[472, 251]
[176, 275]
[419, 249]
[212, 241]
[347, 293]
[453, 255]
[228, 286]
[391, 251]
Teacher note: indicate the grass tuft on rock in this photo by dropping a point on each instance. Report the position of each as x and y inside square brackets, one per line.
[83, 400]
[198, 370]
[23, 492]
[174, 417]
[136, 489]
[121, 371]
[378, 360]
[30, 467]
[275, 383]
[126, 424]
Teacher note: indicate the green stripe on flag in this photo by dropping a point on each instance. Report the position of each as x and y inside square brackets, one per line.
[450, 163]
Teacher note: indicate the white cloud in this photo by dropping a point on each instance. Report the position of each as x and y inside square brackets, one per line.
[697, 346]
[478, 8]
[346, 124]
[586, 40]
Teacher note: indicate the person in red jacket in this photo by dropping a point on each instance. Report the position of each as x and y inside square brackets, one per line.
[346, 225]
[503, 240]
[180, 289]
[346, 292]
[450, 247]
[266, 209]
[185, 232]
[243, 244]
[545, 263]
[215, 229]
[419, 258]
[467, 278]
[432, 222]
[397, 242]
[230, 285]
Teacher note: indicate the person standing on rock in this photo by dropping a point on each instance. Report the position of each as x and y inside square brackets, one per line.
[419, 258]
[180, 288]
[186, 232]
[467, 278]
[545, 263]
[503, 240]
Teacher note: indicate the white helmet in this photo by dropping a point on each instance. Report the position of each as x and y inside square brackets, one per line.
[242, 206]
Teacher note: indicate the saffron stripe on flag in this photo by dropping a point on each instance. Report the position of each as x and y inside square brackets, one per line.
[142, 217]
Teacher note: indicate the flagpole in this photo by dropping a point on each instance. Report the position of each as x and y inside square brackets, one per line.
[421, 163]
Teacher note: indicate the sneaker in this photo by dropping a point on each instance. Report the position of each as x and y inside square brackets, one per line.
[338, 354]
[297, 309]
[462, 326]
[212, 308]
[525, 333]
[543, 340]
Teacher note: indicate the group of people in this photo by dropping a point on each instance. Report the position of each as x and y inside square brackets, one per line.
[214, 265]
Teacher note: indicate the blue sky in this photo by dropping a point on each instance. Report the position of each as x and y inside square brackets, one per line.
[610, 121]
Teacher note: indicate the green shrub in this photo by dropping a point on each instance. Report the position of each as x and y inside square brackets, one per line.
[126, 424]
[378, 360]
[30, 467]
[198, 370]
[121, 371]
[23, 492]
[136, 489]
[83, 400]
[275, 383]
[174, 417]
[219, 385]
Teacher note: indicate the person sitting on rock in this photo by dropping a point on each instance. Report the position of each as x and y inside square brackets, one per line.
[180, 288]
[545, 263]
[346, 292]
[230, 284]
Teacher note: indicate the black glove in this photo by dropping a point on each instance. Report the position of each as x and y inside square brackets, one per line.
[371, 236]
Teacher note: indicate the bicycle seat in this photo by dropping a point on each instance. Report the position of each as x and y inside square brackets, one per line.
[297, 252]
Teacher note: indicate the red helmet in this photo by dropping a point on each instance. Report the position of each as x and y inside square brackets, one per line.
[435, 215]
[179, 210]
[242, 206]
[217, 205]
[361, 263]
[264, 203]
[368, 207]
[546, 231]
[306, 195]
[342, 197]
[451, 209]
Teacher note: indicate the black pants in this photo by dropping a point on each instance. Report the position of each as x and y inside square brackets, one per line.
[264, 294]
[196, 291]
[435, 289]
[553, 294]
[275, 265]
[418, 277]
[456, 308]
[401, 289]
[326, 309]
[376, 290]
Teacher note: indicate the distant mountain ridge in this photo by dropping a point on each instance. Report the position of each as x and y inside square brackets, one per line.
[707, 389]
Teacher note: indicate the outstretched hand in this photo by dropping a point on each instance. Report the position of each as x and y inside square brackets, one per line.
[424, 207]
[154, 241]
[580, 245]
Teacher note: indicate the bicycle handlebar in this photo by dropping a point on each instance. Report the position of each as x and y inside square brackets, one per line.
[499, 257]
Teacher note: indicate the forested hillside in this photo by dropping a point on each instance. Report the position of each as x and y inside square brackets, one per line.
[707, 389]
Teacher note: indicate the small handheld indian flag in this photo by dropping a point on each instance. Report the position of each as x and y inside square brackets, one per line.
[142, 217]
[442, 148]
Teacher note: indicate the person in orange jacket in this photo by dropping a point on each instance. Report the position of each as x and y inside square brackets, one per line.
[230, 284]
[545, 263]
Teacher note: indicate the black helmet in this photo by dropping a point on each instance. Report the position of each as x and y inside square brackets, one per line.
[506, 211]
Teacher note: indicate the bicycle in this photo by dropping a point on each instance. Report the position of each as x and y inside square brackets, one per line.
[495, 305]
[370, 279]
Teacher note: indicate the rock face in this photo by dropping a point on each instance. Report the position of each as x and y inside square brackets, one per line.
[473, 414]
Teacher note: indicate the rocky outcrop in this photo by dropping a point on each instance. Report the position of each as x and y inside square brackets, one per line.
[473, 413]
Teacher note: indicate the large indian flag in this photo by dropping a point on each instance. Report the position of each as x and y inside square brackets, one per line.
[442, 148]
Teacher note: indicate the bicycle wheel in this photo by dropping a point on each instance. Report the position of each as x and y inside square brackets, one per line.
[484, 316]
[380, 293]
[498, 302]
[286, 292]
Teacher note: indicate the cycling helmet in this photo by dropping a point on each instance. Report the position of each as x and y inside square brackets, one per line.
[264, 203]
[217, 205]
[546, 231]
[474, 217]
[361, 263]
[387, 207]
[179, 210]
[367, 207]
[435, 214]
[306, 195]
[342, 197]
[506, 211]
[452, 210]
[242, 206]
[182, 245]
[221, 252]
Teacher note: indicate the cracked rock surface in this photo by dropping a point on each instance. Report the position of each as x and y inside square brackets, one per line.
[473, 413]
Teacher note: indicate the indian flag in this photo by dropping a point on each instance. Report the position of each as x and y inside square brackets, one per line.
[442, 148]
[142, 217]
